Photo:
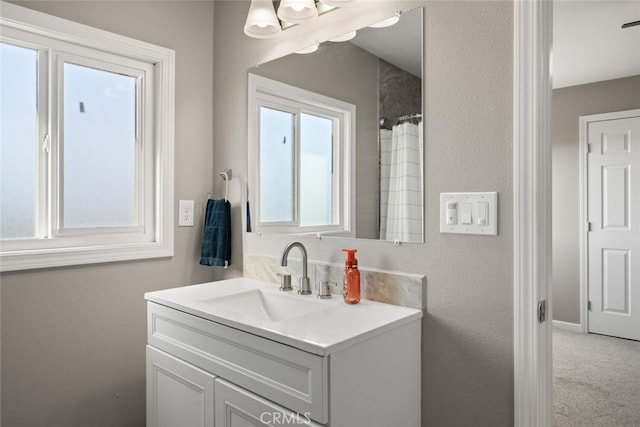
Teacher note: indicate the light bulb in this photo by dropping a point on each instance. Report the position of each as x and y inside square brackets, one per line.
[344, 37]
[387, 22]
[309, 49]
[262, 22]
[297, 11]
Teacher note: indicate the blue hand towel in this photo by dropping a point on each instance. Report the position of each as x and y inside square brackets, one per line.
[248, 218]
[216, 242]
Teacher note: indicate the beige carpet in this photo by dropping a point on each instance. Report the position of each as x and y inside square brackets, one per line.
[596, 380]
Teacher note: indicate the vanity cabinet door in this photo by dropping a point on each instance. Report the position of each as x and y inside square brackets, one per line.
[288, 376]
[236, 407]
[178, 394]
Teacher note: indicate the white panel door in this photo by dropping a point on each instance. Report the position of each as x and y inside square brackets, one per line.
[178, 394]
[614, 214]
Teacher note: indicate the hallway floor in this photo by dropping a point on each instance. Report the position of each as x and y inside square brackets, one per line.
[596, 380]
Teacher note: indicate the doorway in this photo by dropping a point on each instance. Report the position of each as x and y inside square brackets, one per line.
[532, 192]
[575, 95]
[610, 235]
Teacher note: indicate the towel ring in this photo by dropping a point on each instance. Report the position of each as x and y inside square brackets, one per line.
[226, 175]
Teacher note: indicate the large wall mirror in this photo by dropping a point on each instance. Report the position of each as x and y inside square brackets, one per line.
[336, 137]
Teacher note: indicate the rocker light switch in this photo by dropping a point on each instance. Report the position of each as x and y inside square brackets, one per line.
[465, 213]
[483, 209]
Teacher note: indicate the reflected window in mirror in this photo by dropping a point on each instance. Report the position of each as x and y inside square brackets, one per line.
[276, 165]
[301, 144]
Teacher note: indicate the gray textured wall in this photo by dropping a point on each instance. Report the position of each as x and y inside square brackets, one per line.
[73, 339]
[568, 105]
[467, 341]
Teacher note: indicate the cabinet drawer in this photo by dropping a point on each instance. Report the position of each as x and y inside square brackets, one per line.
[290, 377]
[238, 407]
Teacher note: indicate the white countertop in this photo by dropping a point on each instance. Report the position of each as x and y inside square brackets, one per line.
[333, 325]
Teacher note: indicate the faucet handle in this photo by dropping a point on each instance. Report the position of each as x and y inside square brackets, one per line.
[285, 282]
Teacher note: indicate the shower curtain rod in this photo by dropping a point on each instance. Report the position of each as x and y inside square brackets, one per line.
[388, 124]
[409, 117]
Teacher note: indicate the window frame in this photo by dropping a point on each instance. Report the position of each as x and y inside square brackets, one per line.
[143, 72]
[56, 39]
[264, 92]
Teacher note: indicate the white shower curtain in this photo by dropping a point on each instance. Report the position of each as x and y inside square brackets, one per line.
[401, 183]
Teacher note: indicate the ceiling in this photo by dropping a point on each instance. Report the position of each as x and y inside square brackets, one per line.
[588, 43]
[399, 44]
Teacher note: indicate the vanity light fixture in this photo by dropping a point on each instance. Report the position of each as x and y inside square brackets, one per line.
[309, 49]
[387, 22]
[297, 11]
[344, 37]
[262, 22]
[338, 3]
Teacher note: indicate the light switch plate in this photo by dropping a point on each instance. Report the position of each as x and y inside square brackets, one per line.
[480, 205]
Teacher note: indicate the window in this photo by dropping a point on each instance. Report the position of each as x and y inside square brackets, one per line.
[86, 144]
[300, 153]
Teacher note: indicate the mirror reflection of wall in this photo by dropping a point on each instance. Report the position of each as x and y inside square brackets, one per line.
[379, 72]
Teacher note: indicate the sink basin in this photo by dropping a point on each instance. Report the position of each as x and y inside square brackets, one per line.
[265, 305]
[318, 326]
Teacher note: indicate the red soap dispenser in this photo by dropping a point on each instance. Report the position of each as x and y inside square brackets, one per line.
[351, 281]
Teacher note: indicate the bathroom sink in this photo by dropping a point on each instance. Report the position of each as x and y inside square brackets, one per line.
[318, 326]
[264, 305]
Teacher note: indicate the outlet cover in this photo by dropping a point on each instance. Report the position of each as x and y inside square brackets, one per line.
[185, 215]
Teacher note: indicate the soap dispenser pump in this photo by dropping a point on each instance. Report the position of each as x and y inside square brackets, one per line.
[351, 281]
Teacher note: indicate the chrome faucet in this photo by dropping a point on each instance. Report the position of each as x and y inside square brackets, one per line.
[305, 286]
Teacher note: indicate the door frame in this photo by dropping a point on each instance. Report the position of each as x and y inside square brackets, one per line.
[584, 198]
[533, 32]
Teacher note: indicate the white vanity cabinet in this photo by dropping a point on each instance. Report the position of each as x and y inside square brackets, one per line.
[203, 372]
[180, 394]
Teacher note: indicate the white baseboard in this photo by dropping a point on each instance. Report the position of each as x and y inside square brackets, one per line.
[567, 326]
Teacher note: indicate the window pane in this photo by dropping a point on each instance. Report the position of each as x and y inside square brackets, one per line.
[316, 170]
[276, 165]
[18, 141]
[99, 148]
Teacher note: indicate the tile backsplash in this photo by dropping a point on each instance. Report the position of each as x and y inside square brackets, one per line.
[390, 287]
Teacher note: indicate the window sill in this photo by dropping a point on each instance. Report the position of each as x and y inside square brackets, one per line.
[60, 257]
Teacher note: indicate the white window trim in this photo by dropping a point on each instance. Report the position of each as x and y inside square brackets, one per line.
[264, 91]
[161, 242]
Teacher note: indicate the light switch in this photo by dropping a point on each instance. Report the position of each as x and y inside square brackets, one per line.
[469, 213]
[465, 213]
[483, 211]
